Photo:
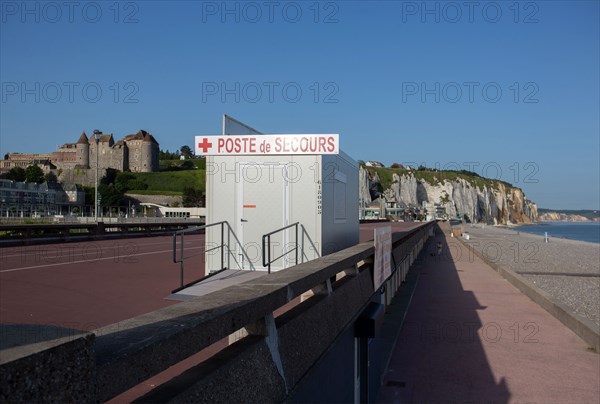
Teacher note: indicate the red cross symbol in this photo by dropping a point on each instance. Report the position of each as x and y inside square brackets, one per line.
[204, 145]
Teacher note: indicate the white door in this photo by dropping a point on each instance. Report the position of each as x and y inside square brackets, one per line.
[263, 198]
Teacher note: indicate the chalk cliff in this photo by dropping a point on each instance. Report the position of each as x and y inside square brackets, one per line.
[561, 217]
[483, 200]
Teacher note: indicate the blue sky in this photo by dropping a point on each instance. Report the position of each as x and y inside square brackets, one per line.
[509, 90]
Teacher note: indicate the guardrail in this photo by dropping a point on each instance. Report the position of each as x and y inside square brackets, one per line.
[268, 364]
[266, 246]
[299, 249]
[182, 257]
[20, 233]
[92, 220]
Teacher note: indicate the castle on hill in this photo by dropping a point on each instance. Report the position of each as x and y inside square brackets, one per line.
[137, 152]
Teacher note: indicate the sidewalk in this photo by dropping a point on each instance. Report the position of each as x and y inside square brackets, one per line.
[470, 336]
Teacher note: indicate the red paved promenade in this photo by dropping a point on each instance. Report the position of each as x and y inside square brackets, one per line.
[470, 336]
[90, 284]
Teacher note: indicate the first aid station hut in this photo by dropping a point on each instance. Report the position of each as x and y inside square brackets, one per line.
[275, 200]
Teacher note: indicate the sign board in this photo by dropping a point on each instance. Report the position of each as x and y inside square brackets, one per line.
[261, 145]
[382, 267]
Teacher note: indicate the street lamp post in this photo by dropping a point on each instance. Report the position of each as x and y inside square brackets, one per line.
[97, 134]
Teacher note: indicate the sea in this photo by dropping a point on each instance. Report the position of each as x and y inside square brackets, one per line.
[586, 231]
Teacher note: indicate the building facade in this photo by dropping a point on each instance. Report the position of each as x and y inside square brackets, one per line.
[21, 199]
[136, 152]
[26, 160]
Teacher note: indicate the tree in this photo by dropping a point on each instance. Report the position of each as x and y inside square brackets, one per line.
[34, 174]
[188, 165]
[109, 177]
[396, 165]
[126, 181]
[122, 180]
[193, 197]
[167, 155]
[187, 151]
[90, 192]
[16, 174]
[110, 195]
[50, 177]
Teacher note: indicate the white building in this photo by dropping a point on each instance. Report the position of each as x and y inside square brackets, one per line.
[258, 193]
[155, 210]
[21, 199]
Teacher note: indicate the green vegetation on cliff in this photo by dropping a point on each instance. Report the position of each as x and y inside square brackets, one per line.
[434, 177]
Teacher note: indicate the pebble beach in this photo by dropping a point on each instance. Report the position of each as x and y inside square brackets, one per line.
[568, 270]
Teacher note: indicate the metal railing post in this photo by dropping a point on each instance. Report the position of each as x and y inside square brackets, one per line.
[264, 237]
[181, 268]
[302, 255]
[269, 252]
[296, 243]
[222, 245]
[175, 246]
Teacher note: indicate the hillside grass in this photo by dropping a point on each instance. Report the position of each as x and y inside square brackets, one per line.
[166, 182]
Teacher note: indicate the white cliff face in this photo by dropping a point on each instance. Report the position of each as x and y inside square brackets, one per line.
[562, 217]
[364, 195]
[499, 204]
[408, 190]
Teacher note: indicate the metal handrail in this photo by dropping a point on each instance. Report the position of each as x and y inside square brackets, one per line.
[230, 233]
[222, 246]
[305, 233]
[267, 237]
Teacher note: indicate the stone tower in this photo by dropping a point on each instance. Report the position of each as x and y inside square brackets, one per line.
[143, 152]
[149, 154]
[83, 151]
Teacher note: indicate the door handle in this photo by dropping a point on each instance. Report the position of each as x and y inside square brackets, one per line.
[244, 220]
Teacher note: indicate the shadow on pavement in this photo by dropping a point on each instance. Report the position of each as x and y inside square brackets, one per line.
[439, 354]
